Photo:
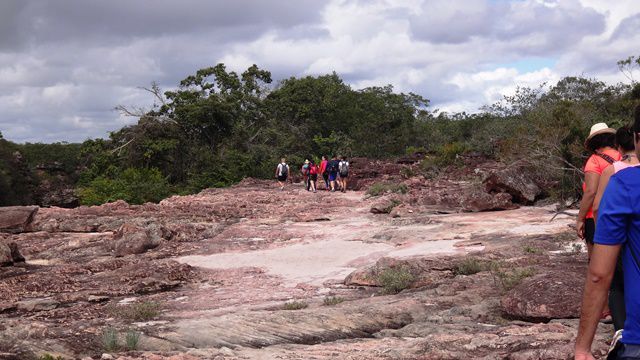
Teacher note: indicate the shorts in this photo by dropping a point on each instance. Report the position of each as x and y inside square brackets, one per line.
[589, 230]
[344, 176]
[282, 178]
[313, 177]
[333, 176]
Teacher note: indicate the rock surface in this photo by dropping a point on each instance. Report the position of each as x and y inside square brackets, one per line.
[515, 181]
[234, 274]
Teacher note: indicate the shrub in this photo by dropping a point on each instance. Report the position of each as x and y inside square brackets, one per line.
[333, 300]
[110, 340]
[378, 189]
[394, 280]
[131, 340]
[532, 250]
[470, 266]
[508, 277]
[295, 305]
[135, 186]
[50, 357]
[144, 311]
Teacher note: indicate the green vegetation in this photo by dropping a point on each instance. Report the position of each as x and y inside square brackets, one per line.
[470, 266]
[532, 250]
[332, 300]
[50, 357]
[295, 305]
[395, 279]
[131, 340]
[220, 126]
[143, 311]
[507, 276]
[110, 340]
[378, 189]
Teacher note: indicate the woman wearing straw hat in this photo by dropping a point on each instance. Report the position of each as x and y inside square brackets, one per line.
[600, 143]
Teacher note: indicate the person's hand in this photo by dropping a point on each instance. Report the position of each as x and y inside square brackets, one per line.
[583, 355]
[580, 228]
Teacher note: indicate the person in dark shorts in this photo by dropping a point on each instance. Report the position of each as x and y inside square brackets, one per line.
[324, 171]
[333, 171]
[282, 173]
[343, 171]
[600, 143]
[626, 147]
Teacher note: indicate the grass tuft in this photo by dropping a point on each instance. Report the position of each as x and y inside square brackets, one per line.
[295, 305]
[394, 280]
[131, 340]
[378, 189]
[110, 340]
[333, 300]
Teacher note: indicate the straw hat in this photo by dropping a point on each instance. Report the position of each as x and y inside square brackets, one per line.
[306, 161]
[597, 129]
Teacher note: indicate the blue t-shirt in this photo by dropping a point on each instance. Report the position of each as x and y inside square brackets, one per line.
[619, 224]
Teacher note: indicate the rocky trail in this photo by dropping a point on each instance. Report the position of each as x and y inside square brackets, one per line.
[251, 272]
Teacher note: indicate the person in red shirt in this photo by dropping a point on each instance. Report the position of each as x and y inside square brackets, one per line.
[324, 172]
[600, 143]
[313, 175]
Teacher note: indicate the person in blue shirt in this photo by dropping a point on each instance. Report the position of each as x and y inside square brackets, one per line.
[618, 231]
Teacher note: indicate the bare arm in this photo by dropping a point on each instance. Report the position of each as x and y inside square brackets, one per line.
[591, 180]
[601, 268]
[602, 185]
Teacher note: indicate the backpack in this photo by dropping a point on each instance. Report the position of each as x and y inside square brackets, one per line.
[333, 166]
[313, 170]
[305, 169]
[284, 169]
[344, 168]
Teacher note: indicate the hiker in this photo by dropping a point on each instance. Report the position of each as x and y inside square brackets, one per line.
[343, 169]
[600, 143]
[325, 172]
[626, 147]
[313, 175]
[305, 174]
[618, 232]
[282, 172]
[333, 167]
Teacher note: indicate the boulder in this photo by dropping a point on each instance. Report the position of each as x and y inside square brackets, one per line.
[16, 219]
[136, 239]
[384, 205]
[515, 181]
[33, 305]
[554, 295]
[9, 254]
[476, 200]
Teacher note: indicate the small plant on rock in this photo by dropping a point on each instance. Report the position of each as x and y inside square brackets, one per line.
[508, 277]
[577, 248]
[144, 311]
[131, 340]
[50, 357]
[333, 300]
[395, 279]
[532, 250]
[378, 189]
[110, 340]
[295, 305]
[470, 266]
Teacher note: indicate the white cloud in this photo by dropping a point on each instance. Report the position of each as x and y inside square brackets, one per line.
[60, 79]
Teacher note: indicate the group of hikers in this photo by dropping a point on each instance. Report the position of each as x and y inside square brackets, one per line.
[334, 172]
[609, 222]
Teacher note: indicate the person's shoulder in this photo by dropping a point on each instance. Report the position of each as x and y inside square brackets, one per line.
[628, 177]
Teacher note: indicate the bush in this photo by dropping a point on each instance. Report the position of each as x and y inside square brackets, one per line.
[508, 277]
[394, 280]
[131, 340]
[378, 189]
[50, 357]
[295, 305]
[135, 186]
[333, 300]
[110, 340]
[532, 250]
[144, 311]
[470, 266]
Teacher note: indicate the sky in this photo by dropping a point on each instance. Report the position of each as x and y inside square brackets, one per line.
[65, 64]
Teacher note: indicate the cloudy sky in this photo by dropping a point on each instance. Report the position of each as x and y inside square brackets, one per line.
[65, 64]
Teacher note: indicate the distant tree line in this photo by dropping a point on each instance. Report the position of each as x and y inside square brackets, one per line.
[219, 127]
